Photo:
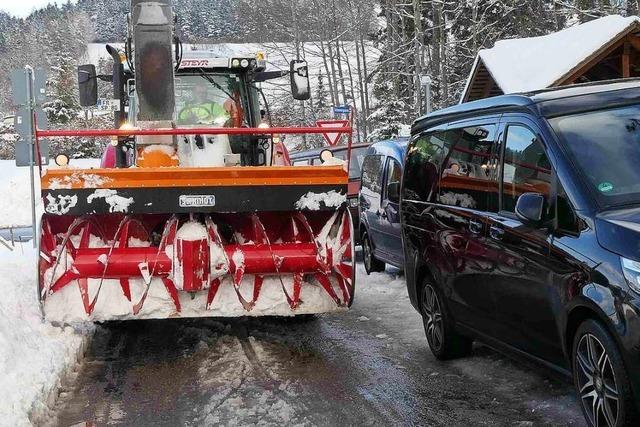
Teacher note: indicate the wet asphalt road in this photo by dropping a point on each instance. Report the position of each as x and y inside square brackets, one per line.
[370, 366]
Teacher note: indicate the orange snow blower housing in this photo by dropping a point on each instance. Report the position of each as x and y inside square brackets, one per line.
[196, 212]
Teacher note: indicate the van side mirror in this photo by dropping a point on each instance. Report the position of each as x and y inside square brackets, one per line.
[87, 85]
[299, 74]
[393, 192]
[530, 208]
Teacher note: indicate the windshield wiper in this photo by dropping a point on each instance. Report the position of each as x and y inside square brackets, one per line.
[213, 82]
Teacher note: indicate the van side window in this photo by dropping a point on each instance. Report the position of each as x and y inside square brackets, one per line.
[526, 167]
[394, 174]
[466, 174]
[372, 173]
[424, 163]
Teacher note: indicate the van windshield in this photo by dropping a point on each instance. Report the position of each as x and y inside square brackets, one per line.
[605, 145]
[357, 157]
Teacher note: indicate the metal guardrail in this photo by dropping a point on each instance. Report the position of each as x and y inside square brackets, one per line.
[9, 236]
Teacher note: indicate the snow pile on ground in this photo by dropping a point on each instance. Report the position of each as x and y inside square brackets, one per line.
[34, 356]
[15, 192]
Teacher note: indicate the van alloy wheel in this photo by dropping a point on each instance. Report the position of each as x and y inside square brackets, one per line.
[596, 382]
[432, 313]
[371, 263]
[366, 249]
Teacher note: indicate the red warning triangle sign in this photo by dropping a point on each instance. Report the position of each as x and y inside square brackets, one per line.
[333, 137]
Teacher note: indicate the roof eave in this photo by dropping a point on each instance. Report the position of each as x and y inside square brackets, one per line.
[632, 27]
[472, 75]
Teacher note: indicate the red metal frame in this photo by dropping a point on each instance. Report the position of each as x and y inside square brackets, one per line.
[44, 133]
[188, 131]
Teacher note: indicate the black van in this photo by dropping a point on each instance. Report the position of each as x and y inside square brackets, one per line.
[521, 228]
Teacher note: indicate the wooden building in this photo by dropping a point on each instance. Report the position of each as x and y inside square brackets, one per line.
[602, 49]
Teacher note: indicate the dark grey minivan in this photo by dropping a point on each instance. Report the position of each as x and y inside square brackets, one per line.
[379, 200]
[521, 228]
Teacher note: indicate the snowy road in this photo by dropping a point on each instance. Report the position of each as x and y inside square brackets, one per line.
[370, 366]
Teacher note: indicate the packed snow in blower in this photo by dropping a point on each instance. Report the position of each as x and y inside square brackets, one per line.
[195, 210]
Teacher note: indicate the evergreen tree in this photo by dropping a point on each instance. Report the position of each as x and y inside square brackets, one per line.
[320, 98]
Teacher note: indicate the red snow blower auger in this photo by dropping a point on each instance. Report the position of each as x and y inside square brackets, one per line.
[195, 210]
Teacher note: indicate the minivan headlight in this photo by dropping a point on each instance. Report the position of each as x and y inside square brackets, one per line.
[631, 270]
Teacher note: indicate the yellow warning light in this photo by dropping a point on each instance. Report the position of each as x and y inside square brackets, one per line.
[260, 56]
[124, 126]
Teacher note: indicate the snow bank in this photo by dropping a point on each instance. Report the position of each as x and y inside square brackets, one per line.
[521, 65]
[15, 193]
[35, 357]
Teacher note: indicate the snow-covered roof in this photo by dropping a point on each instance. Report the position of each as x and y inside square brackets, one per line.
[520, 65]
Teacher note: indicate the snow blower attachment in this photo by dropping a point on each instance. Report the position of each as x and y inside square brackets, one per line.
[190, 242]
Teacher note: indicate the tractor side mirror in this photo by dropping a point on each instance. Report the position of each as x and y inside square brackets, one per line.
[299, 73]
[87, 85]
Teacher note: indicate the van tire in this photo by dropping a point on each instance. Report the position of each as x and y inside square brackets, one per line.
[444, 342]
[371, 263]
[598, 371]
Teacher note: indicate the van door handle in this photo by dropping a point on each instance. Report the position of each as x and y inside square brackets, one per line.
[475, 226]
[496, 233]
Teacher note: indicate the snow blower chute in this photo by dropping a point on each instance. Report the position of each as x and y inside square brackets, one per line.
[195, 210]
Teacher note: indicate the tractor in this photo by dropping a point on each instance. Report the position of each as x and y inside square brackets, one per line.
[195, 210]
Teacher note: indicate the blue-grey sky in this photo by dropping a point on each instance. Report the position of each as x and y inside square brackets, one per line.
[22, 8]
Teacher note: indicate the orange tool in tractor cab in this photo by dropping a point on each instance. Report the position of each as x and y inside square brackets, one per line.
[195, 210]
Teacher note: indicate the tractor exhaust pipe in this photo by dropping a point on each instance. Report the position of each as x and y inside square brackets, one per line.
[118, 80]
[152, 30]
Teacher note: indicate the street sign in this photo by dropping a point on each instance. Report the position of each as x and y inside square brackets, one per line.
[19, 88]
[23, 124]
[22, 153]
[29, 92]
[332, 138]
[40, 88]
[341, 109]
[106, 104]
[41, 118]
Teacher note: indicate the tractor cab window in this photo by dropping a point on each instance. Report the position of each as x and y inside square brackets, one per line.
[209, 100]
